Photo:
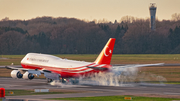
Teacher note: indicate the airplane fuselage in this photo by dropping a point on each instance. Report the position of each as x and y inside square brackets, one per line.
[66, 68]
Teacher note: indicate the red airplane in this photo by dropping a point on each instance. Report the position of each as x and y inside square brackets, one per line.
[55, 68]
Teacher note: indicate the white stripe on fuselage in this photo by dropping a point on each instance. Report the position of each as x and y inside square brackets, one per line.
[87, 70]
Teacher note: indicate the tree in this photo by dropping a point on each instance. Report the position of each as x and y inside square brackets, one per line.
[174, 37]
[175, 17]
[5, 19]
[9, 42]
[73, 36]
[127, 19]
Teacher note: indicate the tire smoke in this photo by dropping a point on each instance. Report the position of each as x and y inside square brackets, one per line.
[120, 76]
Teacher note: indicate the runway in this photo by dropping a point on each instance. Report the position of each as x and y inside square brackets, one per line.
[136, 89]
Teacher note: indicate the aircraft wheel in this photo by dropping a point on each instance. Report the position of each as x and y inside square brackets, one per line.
[74, 81]
[49, 80]
[62, 80]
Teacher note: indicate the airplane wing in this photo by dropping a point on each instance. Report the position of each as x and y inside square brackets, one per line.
[15, 67]
[23, 69]
[119, 69]
[126, 66]
[139, 65]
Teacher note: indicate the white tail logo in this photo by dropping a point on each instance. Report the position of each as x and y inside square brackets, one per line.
[107, 50]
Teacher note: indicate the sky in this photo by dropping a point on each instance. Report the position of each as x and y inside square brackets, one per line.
[86, 9]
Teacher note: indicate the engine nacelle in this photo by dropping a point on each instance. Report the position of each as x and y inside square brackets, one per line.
[16, 74]
[28, 76]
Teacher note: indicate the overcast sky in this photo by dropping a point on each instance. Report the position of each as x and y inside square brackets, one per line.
[86, 9]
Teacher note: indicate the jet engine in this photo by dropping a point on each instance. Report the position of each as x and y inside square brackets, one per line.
[28, 76]
[16, 74]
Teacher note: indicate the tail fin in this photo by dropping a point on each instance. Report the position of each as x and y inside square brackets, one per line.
[106, 54]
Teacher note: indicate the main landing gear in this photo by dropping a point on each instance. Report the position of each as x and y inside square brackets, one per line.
[74, 81]
[63, 80]
[49, 80]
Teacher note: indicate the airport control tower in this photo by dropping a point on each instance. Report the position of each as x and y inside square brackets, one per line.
[152, 10]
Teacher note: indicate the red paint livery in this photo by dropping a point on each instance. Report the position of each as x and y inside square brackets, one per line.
[54, 67]
[70, 68]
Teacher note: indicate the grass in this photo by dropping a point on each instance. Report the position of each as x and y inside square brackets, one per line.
[8, 59]
[116, 58]
[171, 82]
[31, 92]
[171, 74]
[116, 98]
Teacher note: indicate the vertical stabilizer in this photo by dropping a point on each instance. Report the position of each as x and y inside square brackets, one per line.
[106, 54]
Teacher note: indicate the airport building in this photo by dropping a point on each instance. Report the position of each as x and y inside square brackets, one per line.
[152, 10]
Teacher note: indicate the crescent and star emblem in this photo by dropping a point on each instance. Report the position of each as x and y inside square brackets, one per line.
[107, 51]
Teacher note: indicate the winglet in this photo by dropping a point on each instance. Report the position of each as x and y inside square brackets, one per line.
[106, 54]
